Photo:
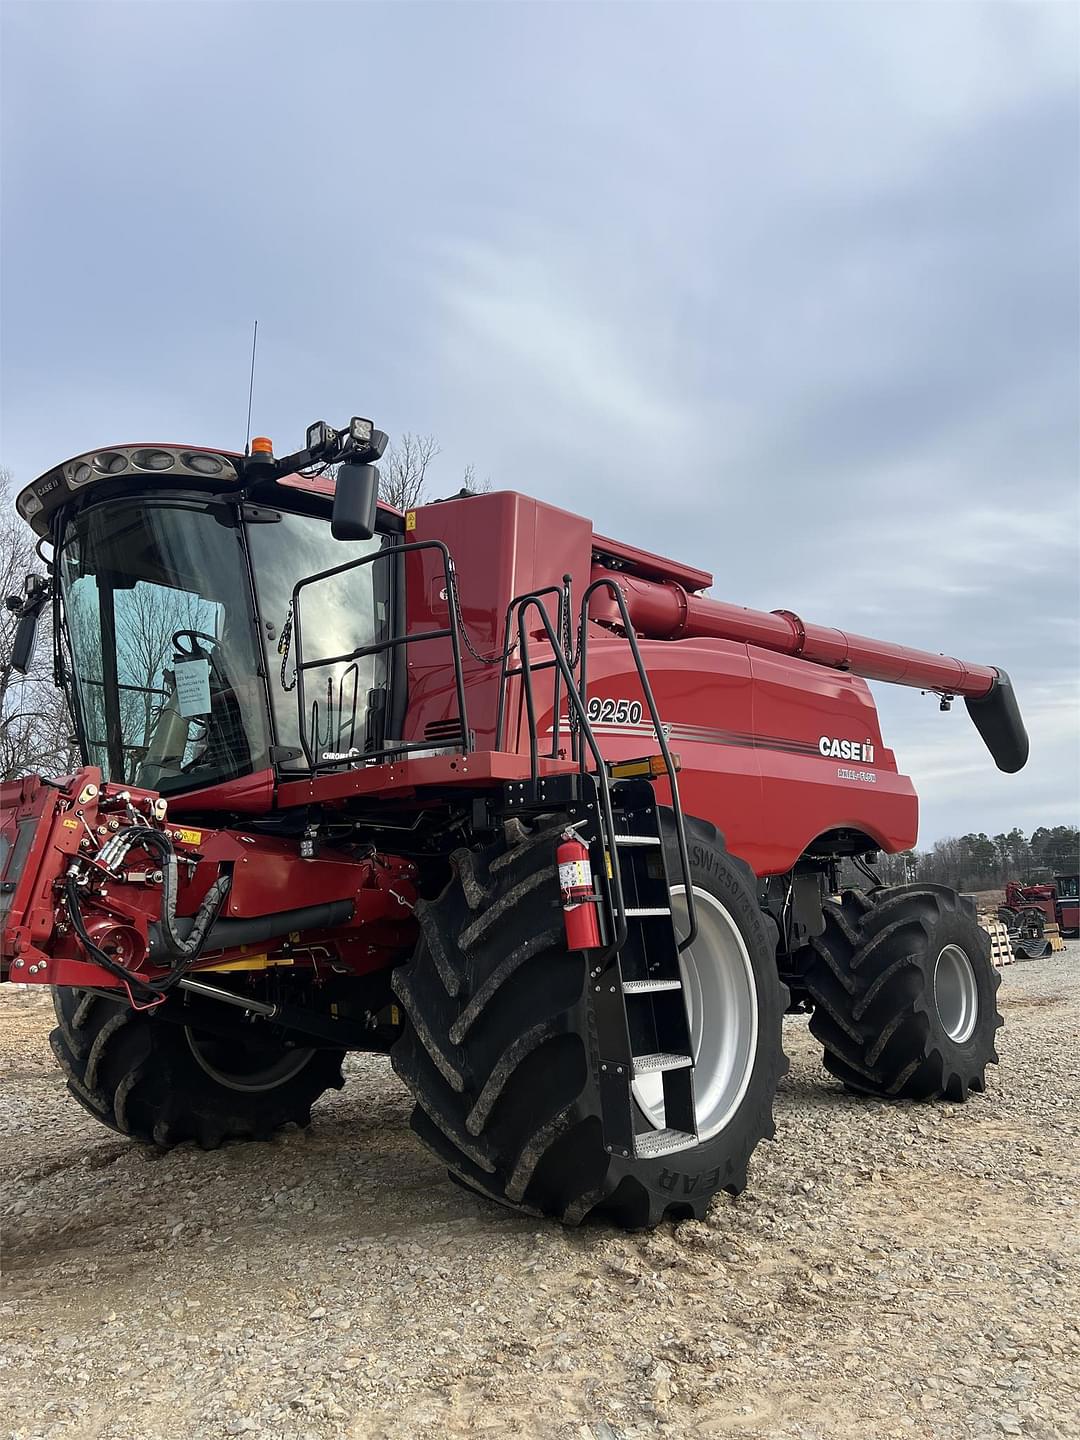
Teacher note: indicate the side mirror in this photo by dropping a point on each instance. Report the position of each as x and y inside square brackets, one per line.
[27, 609]
[22, 647]
[356, 499]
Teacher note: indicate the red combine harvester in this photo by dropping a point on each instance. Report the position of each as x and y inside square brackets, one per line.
[475, 786]
[1040, 905]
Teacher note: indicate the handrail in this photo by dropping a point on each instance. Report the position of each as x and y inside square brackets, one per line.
[449, 631]
[604, 583]
[611, 881]
[505, 672]
[582, 735]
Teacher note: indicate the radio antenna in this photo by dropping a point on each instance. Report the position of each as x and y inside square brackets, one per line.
[251, 388]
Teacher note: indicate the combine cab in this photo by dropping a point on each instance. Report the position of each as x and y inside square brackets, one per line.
[1067, 903]
[475, 786]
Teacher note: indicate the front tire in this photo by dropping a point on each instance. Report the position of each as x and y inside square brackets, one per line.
[162, 1082]
[499, 1055]
[904, 993]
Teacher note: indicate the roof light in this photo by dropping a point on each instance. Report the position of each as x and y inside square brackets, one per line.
[262, 445]
[127, 462]
[360, 431]
[153, 459]
[203, 464]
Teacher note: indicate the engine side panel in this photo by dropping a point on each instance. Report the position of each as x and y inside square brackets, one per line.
[849, 783]
[749, 728]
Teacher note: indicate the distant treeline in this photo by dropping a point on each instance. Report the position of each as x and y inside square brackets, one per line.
[984, 862]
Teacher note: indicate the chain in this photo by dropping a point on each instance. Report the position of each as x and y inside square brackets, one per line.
[455, 605]
[283, 645]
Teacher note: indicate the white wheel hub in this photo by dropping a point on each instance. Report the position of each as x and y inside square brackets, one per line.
[956, 994]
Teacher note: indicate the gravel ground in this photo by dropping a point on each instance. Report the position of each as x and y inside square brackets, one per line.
[891, 1271]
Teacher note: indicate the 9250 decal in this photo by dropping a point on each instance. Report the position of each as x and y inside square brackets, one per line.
[619, 712]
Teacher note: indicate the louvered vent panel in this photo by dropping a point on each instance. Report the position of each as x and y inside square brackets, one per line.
[443, 732]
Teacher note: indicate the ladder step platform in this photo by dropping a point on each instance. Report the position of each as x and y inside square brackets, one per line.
[649, 987]
[644, 913]
[651, 1143]
[636, 839]
[653, 1064]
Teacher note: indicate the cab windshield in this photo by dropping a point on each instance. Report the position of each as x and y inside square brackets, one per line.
[183, 677]
[167, 682]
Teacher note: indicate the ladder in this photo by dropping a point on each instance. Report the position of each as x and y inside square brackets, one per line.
[638, 998]
[635, 980]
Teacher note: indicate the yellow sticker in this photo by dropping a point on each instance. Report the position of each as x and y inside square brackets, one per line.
[71, 824]
[190, 837]
[410, 519]
[248, 962]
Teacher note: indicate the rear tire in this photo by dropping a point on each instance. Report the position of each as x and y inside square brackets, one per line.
[163, 1083]
[904, 993]
[499, 1054]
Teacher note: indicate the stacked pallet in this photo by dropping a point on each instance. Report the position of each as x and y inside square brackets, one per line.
[1000, 945]
[1053, 934]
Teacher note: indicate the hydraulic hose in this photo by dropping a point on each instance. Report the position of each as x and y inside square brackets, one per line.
[257, 929]
[152, 993]
[181, 949]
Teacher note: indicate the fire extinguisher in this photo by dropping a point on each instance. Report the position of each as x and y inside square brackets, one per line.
[579, 899]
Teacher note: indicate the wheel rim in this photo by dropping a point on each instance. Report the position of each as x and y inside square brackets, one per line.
[718, 985]
[241, 1065]
[956, 994]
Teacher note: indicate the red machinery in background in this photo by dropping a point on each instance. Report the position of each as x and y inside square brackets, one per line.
[1057, 903]
[1067, 903]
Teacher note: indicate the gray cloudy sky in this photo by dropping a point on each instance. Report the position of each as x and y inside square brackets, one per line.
[786, 291]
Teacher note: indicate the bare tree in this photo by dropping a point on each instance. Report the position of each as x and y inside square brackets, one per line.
[981, 862]
[146, 622]
[35, 729]
[17, 560]
[403, 475]
[404, 480]
[472, 485]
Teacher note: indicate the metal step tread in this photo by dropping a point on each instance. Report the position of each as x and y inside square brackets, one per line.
[662, 1142]
[639, 913]
[637, 840]
[649, 987]
[650, 1064]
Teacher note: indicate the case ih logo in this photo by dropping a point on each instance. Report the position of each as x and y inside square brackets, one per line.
[846, 750]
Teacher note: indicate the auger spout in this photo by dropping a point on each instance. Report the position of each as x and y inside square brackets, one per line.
[665, 610]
